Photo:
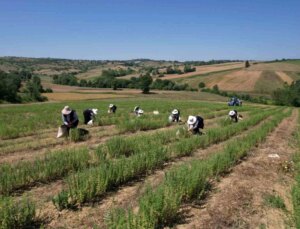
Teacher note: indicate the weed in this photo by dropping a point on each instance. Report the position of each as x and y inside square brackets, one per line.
[274, 201]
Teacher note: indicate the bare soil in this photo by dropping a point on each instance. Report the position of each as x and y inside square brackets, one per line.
[238, 200]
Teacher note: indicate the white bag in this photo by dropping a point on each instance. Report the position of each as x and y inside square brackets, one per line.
[61, 132]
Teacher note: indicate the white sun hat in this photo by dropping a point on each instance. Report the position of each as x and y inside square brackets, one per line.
[67, 110]
[140, 111]
[111, 105]
[192, 120]
[95, 111]
[175, 111]
[231, 113]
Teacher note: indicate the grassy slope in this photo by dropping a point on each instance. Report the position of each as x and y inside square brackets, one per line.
[268, 82]
[193, 81]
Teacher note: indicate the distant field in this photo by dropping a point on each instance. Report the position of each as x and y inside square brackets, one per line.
[280, 66]
[268, 82]
[294, 75]
[206, 69]
[68, 96]
[261, 78]
[284, 77]
[242, 80]
[96, 72]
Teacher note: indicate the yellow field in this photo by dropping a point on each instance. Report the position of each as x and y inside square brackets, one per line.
[69, 96]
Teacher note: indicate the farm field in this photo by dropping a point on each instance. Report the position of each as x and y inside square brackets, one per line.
[260, 78]
[206, 69]
[131, 172]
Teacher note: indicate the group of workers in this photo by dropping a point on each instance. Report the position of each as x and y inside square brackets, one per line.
[194, 123]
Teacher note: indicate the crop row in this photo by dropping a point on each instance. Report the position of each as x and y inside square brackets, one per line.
[296, 187]
[158, 207]
[58, 164]
[86, 185]
[30, 118]
[16, 214]
[21, 214]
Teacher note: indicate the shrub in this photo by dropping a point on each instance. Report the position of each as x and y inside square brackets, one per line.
[201, 85]
[16, 214]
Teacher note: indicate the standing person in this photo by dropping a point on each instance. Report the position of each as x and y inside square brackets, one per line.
[112, 108]
[69, 118]
[175, 116]
[195, 123]
[89, 115]
[233, 115]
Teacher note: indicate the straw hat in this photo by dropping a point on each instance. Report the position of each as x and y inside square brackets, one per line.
[175, 112]
[95, 111]
[111, 105]
[231, 113]
[192, 120]
[67, 110]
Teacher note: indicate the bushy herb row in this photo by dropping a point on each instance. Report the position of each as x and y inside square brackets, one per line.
[30, 118]
[58, 164]
[16, 214]
[89, 184]
[51, 167]
[159, 207]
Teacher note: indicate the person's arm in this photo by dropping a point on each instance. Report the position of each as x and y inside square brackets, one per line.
[64, 120]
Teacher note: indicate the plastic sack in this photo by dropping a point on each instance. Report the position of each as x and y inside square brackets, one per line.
[62, 131]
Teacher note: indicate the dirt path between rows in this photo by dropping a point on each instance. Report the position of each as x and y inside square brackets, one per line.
[126, 196]
[238, 201]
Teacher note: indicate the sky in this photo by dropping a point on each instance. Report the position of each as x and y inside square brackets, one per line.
[155, 29]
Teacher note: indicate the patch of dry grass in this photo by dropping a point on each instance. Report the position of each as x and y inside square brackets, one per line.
[68, 96]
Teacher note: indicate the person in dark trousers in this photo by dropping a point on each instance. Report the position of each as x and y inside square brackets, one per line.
[234, 116]
[69, 118]
[195, 123]
[175, 116]
[112, 108]
[89, 115]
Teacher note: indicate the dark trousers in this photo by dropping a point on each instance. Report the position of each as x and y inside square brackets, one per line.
[74, 125]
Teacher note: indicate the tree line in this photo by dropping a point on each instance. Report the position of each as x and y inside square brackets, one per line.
[144, 82]
[22, 86]
[289, 95]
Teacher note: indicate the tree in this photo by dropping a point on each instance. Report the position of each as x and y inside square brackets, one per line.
[216, 89]
[201, 85]
[188, 68]
[9, 87]
[145, 82]
[114, 84]
[247, 64]
[34, 89]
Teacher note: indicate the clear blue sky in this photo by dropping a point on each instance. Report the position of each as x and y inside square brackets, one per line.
[157, 29]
